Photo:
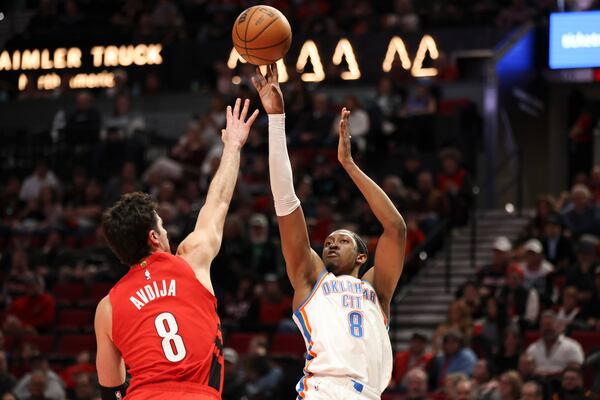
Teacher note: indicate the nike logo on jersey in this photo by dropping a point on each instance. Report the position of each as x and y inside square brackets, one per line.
[152, 292]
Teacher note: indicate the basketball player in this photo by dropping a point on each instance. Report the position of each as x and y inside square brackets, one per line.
[160, 319]
[343, 318]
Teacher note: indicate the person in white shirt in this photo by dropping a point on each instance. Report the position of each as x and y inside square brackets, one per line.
[536, 266]
[34, 183]
[553, 352]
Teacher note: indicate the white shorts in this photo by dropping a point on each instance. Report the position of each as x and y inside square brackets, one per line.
[330, 388]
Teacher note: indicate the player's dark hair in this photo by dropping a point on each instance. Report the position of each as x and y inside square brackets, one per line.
[126, 226]
[361, 246]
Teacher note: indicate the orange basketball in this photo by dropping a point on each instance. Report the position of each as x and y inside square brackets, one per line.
[261, 35]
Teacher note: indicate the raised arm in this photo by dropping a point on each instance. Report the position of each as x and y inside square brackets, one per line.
[389, 255]
[201, 246]
[109, 363]
[303, 265]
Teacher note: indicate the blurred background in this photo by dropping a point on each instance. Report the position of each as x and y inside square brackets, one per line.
[480, 119]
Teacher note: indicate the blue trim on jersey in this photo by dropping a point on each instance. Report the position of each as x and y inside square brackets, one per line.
[303, 326]
[358, 386]
[311, 291]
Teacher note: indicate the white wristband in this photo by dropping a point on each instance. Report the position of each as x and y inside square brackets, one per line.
[280, 169]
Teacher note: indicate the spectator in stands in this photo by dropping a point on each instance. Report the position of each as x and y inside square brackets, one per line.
[411, 170]
[234, 385]
[263, 254]
[522, 305]
[492, 277]
[510, 386]
[484, 385]
[527, 370]
[532, 390]
[472, 298]
[419, 102]
[387, 102]
[359, 120]
[83, 215]
[594, 184]
[263, 378]
[458, 318]
[553, 351]
[465, 390]
[451, 385]
[8, 396]
[456, 358]
[455, 182]
[517, 14]
[571, 385]
[580, 215]
[415, 356]
[126, 122]
[81, 366]
[315, 125]
[42, 382]
[41, 177]
[590, 311]
[508, 355]
[416, 384]
[429, 203]
[536, 268]
[125, 182]
[7, 380]
[85, 389]
[580, 275]
[15, 282]
[34, 311]
[392, 185]
[558, 249]
[492, 326]
[83, 124]
[274, 305]
[544, 207]
[568, 313]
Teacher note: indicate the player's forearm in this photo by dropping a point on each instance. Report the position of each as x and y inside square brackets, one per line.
[223, 183]
[280, 168]
[379, 202]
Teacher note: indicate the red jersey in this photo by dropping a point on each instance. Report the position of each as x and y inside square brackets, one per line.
[165, 324]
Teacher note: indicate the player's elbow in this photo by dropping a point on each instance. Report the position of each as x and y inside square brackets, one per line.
[396, 227]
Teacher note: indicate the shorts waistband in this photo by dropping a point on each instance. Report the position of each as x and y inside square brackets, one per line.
[352, 384]
[181, 387]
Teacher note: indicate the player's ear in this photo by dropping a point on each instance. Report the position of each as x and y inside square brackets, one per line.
[153, 238]
[361, 258]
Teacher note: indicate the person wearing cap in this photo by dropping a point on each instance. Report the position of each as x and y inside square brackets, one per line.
[262, 257]
[553, 352]
[492, 277]
[580, 275]
[580, 217]
[558, 249]
[456, 358]
[233, 375]
[536, 268]
[415, 356]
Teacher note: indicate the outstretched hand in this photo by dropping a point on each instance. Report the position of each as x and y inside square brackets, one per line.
[237, 129]
[268, 89]
[344, 145]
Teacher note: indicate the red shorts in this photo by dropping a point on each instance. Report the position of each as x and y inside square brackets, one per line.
[173, 391]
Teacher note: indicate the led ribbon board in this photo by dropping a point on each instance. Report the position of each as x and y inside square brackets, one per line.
[575, 40]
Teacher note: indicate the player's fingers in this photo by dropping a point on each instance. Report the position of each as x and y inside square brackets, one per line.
[252, 118]
[236, 109]
[228, 115]
[255, 83]
[275, 72]
[260, 77]
[245, 110]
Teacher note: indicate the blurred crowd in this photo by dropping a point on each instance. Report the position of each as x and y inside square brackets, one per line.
[171, 20]
[528, 324]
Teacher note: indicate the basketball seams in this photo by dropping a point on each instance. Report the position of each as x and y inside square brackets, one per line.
[262, 31]
[262, 48]
[246, 32]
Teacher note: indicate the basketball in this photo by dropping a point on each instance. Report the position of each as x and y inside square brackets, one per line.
[261, 35]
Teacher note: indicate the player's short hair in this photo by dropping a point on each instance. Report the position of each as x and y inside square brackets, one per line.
[361, 246]
[126, 226]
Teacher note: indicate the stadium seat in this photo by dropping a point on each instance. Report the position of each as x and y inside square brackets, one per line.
[73, 344]
[74, 319]
[44, 343]
[98, 291]
[288, 344]
[68, 293]
[588, 340]
[240, 342]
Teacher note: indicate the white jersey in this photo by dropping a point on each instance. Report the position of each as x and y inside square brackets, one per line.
[346, 334]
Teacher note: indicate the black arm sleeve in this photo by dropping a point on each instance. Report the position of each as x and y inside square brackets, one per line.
[112, 393]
